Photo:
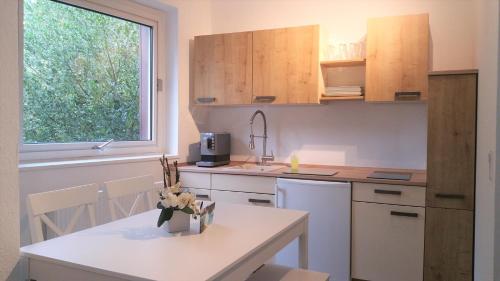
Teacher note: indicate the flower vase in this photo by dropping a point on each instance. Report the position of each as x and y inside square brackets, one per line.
[179, 222]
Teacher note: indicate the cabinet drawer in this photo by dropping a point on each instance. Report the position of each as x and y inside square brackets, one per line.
[389, 194]
[255, 199]
[195, 180]
[387, 242]
[201, 194]
[244, 183]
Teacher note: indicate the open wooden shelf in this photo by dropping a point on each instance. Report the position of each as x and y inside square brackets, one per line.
[343, 63]
[327, 99]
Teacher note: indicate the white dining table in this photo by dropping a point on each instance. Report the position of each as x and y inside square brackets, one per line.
[239, 241]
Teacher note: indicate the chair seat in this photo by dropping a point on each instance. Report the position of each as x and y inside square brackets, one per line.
[272, 272]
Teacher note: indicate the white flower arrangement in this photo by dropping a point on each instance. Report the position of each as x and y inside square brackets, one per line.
[171, 196]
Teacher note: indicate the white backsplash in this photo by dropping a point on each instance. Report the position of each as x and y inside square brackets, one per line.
[344, 133]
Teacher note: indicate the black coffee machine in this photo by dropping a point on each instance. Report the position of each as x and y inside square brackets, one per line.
[215, 149]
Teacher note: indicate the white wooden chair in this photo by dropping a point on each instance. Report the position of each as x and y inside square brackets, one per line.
[84, 196]
[143, 186]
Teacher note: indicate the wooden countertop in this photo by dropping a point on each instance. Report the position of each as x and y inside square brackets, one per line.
[345, 173]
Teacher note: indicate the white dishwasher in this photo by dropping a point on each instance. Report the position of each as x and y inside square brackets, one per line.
[329, 207]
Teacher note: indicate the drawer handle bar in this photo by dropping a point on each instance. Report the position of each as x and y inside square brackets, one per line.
[204, 196]
[404, 214]
[265, 98]
[206, 100]
[265, 201]
[450, 196]
[391, 192]
[407, 95]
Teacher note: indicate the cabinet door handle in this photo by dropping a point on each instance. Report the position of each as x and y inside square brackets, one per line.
[404, 214]
[391, 192]
[264, 201]
[202, 196]
[264, 98]
[407, 95]
[206, 100]
[450, 195]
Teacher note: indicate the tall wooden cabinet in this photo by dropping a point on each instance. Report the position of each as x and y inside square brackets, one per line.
[397, 58]
[451, 141]
[450, 177]
[276, 66]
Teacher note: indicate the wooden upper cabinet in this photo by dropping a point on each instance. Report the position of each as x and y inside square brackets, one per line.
[286, 65]
[397, 58]
[451, 141]
[223, 69]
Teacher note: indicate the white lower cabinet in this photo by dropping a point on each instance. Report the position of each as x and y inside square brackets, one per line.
[196, 180]
[244, 183]
[200, 193]
[387, 242]
[246, 198]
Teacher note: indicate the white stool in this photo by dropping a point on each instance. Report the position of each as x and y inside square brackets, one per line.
[272, 272]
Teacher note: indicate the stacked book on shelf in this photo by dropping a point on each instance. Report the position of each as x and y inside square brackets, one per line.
[343, 91]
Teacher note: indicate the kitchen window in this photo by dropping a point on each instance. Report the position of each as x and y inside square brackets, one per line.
[89, 77]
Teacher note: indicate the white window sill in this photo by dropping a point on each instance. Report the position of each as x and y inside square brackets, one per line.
[90, 162]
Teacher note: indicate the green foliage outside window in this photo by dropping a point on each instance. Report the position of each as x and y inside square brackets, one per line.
[81, 75]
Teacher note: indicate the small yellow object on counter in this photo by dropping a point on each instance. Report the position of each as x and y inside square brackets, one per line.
[294, 164]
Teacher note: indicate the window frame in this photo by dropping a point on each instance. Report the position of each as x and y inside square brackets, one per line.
[127, 10]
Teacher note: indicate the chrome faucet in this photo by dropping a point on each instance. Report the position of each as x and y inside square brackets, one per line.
[264, 158]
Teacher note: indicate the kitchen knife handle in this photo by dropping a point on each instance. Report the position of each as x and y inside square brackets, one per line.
[390, 192]
[264, 99]
[407, 96]
[450, 195]
[263, 201]
[404, 214]
[206, 100]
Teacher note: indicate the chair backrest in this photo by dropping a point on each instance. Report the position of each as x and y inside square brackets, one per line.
[142, 186]
[84, 196]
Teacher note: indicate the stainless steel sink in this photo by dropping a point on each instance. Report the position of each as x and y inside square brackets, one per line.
[253, 168]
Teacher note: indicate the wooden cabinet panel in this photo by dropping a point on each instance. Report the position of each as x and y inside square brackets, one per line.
[451, 143]
[448, 245]
[286, 65]
[223, 69]
[387, 242]
[397, 58]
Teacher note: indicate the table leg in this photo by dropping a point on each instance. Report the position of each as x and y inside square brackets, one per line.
[303, 248]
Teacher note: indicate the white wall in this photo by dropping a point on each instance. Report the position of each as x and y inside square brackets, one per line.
[9, 133]
[352, 133]
[452, 22]
[347, 133]
[487, 51]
